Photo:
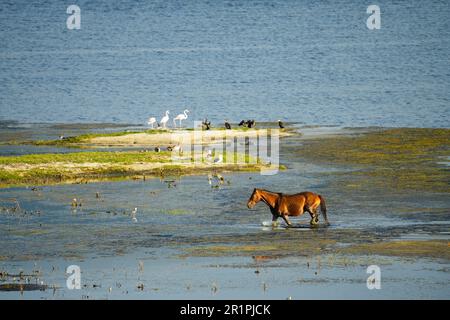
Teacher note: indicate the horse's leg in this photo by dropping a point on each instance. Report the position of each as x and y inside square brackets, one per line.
[275, 216]
[274, 220]
[285, 218]
[314, 217]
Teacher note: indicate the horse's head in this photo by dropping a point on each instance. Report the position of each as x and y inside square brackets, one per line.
[254, 198]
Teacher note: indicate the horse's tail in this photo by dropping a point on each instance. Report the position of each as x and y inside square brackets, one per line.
[323, 208]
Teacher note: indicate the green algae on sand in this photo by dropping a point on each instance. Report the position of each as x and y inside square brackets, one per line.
[395, 159]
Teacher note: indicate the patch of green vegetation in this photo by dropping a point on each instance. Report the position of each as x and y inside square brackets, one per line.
[173, 170]
[235, 157]
[84, 138]
[275, 249]
[398, 159]
[157, 131]
[279, 243]
[78, 167]
[285, 243]
[47, 176]
[426, 248]
[127, 157]
[29, 232]
[45, 168]
[176, 212]
[8, 175]
[79, 139]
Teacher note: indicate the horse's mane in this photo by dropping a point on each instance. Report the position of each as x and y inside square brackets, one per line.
[265, 190]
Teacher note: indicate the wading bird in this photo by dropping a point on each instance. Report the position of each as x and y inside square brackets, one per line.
[164, 119]
[181, 116]
[151, 121]
[133, 215]
[280, 124]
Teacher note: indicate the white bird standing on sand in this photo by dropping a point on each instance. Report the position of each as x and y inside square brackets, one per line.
[151, 121]
[181, 116]
[165, 119]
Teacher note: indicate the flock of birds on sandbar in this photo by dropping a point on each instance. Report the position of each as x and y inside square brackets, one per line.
[163, 122]
[206, 125]
[215, 180]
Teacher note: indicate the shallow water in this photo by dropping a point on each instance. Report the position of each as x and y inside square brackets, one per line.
[313, 62]
[222, 278]
[177, 220]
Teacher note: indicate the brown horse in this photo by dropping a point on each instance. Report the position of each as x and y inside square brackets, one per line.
[284, 205]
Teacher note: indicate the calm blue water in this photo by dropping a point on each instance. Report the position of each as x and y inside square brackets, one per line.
[312, 62]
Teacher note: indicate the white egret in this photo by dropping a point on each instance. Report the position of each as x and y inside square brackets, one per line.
[151, 121]
[165, 119]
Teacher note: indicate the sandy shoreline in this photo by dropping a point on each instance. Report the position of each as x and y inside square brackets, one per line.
[179, 137]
